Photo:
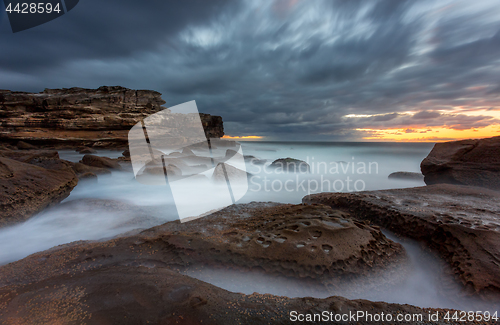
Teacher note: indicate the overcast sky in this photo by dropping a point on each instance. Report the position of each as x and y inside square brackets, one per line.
[283, 69]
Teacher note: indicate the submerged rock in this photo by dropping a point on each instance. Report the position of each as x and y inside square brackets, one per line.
[25, 146]
[81, 169]
[88, 176]
[461, 223]
[467, 162]
[187, 152]
[100, 162]
[254, 160]
[157, 169]
[407, 176]
[26, 189]
[233, 173]
[291, 165]
[86, 150]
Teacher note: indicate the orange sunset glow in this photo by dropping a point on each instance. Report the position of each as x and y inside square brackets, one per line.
[434, 134]
[248, 137]
[430, 125]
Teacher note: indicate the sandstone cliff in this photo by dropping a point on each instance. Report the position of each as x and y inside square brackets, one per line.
[77, 116]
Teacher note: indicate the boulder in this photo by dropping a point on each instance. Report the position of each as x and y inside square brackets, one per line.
[233, 173]
[290, 165]
[25, 146]
[81, 169]
[125, 156]
[460, 223]
[100, 162]
[7, 146]
[231, 153]
[86, 150]
[407, 176]
[175, 154]
[26, 189]
[158, 170]
[50, 159]
[254, 160]
[467, 162]
[52, 164]
[187, 152]
[88, 176]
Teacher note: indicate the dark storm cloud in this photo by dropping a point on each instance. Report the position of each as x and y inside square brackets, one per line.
[426, 115]
[386, 117]
[287, 69]
[102, 30]
[425, 119]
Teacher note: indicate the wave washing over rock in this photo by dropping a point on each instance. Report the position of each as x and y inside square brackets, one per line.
[135, 278]
[461, 223]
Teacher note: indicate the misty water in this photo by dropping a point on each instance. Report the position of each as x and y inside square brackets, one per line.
[335, 167]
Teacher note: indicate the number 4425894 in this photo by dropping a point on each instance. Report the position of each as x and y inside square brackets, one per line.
[33, 8]
[462, 316]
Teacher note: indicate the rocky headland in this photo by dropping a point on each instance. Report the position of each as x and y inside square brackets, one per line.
[82, 117]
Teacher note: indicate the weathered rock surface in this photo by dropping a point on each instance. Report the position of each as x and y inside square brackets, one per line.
[467, 162]
[254, 160]
[85, 150]
[87, 293]
[100, 162]
[290, 165]
[50, 159]
[82, 117]
[223, 170]
[27, 189]
[158, 169]
[461, 223]
[132, 279]
[81, 169]
[28, 155]
[88, 176]
[313, 242]
[407, 176]
[25, 146]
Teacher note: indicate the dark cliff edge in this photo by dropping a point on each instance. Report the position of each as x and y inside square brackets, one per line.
[82, 117]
